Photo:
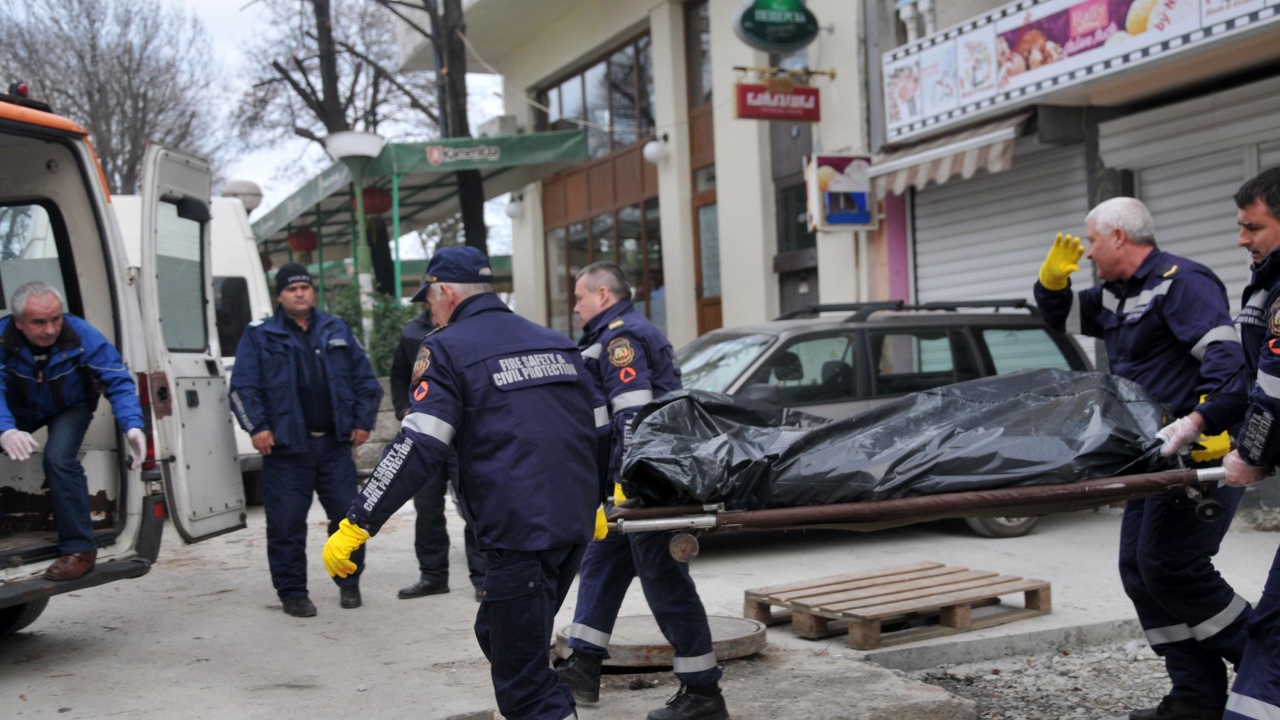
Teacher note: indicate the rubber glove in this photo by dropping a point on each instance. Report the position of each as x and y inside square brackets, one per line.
[137, 447]
[1212, 447]
[602, 525]
[340, 545]
[17, 445]
[1178, 434]
[1240, 472]
[1062, 260]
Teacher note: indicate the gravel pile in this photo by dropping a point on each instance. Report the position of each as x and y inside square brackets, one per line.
[1087, 683]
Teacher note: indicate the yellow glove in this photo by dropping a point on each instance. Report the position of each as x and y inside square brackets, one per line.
[602, 525]
[340, 545]
[1063, 259]
[1215, 446]
[618, 496]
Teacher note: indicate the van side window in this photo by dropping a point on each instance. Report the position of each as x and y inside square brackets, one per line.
[180, 281]
[29, 239]
[231, 305]
[907, 361]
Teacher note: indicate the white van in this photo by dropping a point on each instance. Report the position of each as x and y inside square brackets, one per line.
[56, 225]
[240, 296]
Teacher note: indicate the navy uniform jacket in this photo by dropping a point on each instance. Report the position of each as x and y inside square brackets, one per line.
[1254, 391]
[528, 426]
[1167, 328]
[83, 365]
[631, 362]
[402, 362]
[264, 384]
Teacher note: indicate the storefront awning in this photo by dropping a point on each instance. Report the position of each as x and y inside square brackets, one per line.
[987, 146]
[423, 174]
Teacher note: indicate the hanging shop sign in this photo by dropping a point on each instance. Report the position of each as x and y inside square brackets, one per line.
[839, 192]
[775, 25]
[1030, 48]
[774, 101]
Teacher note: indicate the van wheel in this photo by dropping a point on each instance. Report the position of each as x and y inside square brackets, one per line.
[17, 617]
[1002, 527]
[252, 487]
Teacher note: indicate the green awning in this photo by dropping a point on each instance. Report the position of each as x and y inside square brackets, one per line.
[428, 189]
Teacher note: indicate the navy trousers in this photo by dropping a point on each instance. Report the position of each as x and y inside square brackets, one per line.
[288, 482]
[431, 536]
[1191, 616]
[523, 592]
[607, 571]
[1256, 692]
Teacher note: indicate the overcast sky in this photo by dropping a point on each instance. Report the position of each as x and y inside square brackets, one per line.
[231, 25]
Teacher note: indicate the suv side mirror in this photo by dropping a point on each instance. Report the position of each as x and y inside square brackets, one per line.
[763, 392]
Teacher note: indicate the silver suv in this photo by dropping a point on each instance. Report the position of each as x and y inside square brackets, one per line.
[839, 366]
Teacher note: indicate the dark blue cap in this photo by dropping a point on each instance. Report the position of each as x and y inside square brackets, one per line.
[291, 273]
[461, 264]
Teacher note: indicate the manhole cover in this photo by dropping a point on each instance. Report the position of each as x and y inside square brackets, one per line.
[637, 641]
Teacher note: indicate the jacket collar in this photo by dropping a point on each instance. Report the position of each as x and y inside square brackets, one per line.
[14, 341]
[1268, 268]
[606, 316]
[1148, 265]
[476, 304]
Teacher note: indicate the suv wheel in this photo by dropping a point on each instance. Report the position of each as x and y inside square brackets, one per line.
[1002, 527]
[17, 617]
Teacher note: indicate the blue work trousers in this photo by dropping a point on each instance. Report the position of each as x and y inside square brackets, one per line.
[288, 482]
[68, 485]
[523, 591]
[431, 535]
[607, 571]
[1191, 616]
[1256, 692]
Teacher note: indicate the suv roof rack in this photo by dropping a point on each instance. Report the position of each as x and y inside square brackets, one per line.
[862, 311]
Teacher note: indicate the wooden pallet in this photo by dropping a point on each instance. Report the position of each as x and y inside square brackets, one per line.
[896, 605]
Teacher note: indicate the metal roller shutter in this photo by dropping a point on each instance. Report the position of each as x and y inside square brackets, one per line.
[986, 237]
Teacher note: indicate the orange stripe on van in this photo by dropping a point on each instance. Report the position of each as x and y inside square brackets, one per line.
[106, 189]
[31, 116]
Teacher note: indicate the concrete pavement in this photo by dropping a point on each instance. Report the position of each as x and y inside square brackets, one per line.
[203, 636]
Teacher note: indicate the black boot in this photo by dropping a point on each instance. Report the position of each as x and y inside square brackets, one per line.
[1172, 709]
[582, 673]
[694, 703]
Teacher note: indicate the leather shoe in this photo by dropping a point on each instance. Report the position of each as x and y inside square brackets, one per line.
[70, 567]
[349, 597]
[1174, 709]
[422, 588]
[300, 607]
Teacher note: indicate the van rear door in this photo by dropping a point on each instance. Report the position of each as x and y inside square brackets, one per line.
[193, 436]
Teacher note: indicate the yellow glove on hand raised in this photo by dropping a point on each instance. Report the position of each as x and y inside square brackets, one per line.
[1214, 447]
[1062, 260]
[602, 525]
[340, 545]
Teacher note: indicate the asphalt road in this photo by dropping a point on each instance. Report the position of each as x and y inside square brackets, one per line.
[203, 636]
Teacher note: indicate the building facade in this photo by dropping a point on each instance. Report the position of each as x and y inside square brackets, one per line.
[711, 228]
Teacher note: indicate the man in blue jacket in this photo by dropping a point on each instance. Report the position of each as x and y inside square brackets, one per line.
[632, 362]
[531, 437]
[1165, 324]
[1253, 394]
[54, 368]
[305, 391]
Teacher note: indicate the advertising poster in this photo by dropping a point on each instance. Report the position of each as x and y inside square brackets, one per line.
[902, 92]
[976, 63]
[1214, 11]
[938, 88]
[839, 188]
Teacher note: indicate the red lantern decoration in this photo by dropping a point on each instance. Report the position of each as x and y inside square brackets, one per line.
[302, 240]
[376, 201]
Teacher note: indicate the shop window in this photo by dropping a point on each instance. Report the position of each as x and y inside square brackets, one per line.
[698, 37]
[558, 291]
[612, 100]
[597, 107]
[644, 66]
[623, 89]
[571, 104]
[794, 215]
[602, 244]
[657, 291]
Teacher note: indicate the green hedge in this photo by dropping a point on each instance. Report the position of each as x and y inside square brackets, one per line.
[389, 316]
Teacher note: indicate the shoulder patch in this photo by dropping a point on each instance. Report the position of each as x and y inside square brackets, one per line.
[420, 365]
[1169, 272]
[620, 352]
[258, 322]
[1273, 318]
[616, 324]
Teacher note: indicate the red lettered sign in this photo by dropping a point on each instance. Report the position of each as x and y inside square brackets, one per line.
[757, 102]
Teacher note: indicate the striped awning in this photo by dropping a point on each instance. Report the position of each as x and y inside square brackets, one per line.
[987, 146]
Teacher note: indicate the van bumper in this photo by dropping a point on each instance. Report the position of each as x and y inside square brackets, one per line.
[27, 591]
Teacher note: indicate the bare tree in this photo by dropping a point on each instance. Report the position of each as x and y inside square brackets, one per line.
[127, 70]
[325, 68]
[447, 28]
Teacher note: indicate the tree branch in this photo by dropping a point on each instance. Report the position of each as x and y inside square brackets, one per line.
[385, 74]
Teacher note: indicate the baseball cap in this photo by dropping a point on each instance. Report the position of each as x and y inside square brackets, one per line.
[461, 264]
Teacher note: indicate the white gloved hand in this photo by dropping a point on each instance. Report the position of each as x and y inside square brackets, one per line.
[17, 445]
[1179, 434]
[137, 447]
[1240, 472]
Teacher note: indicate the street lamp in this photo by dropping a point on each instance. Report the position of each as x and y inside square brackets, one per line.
[355, 150]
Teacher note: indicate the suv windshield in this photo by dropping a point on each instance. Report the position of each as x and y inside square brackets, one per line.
[714, 361]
